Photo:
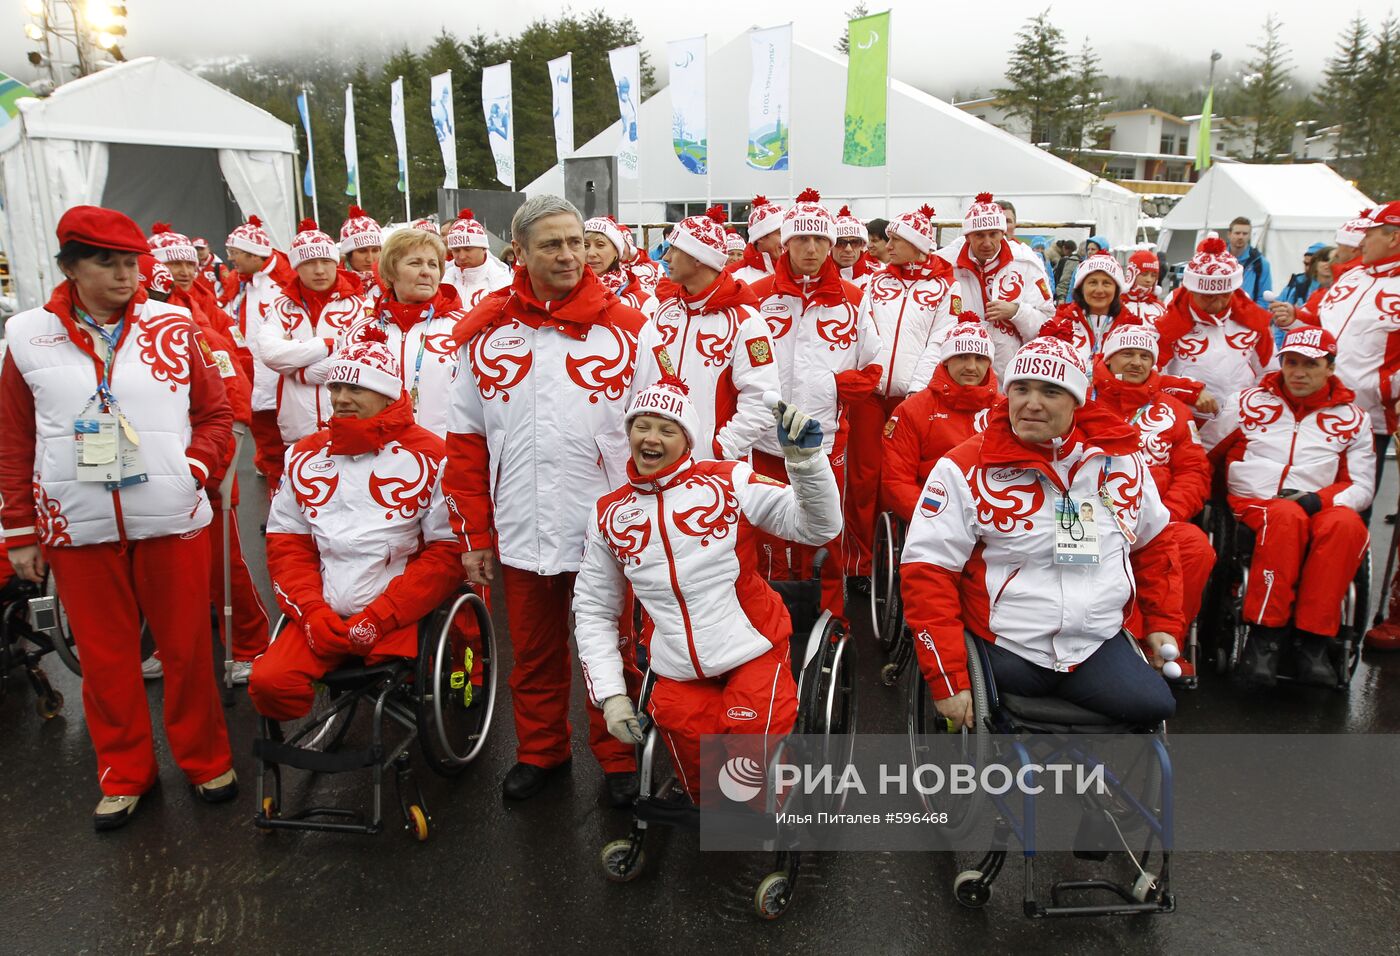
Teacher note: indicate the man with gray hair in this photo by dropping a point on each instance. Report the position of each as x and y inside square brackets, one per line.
[534, 439]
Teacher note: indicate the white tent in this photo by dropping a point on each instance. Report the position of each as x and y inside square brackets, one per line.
[150, 139]
[937, 153]
[1290, 208]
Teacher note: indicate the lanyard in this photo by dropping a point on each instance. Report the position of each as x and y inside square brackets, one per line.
[110, 339]
[422, 346]
[1067, 517]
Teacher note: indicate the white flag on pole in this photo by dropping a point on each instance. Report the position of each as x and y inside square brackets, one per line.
[770, 109]
[561, 80]
[688, 119]
[626, 63]
[500, 123]
[352, 150]
[400, 136]
[445, 126]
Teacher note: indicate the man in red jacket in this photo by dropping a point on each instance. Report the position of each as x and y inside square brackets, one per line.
[935, 420]
[1126, 383]
[534, 439]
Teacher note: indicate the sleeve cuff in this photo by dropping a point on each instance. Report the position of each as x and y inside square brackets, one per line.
[199, 469]
[21, 537]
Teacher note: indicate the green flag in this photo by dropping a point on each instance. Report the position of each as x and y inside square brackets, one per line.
[867, 87]
[11, 90]
[1203, 137]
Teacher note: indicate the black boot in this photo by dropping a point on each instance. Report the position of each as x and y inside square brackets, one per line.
[1314, 661]
[1258, 665]
[620, 789]
[525, 779]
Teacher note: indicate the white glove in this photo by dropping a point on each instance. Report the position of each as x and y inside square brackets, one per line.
[622, 719]
[799, 434]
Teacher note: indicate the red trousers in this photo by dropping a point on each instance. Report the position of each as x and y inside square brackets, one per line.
[1295, 554]
[105, 590]
[269, 449]
[780, 560]
[537, 608]
[865, 449]
[280, 684]
[759, 697]
[249, 616]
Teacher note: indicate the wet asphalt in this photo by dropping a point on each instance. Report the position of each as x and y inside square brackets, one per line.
[186, 877]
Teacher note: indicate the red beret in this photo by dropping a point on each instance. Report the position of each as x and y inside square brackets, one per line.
[104, 228]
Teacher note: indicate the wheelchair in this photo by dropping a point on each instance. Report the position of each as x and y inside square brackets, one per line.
[25, 638]
[1040, 730]
[1233, 581]
[65, 648]
[437, 699]
[823, 661]
[886, 604]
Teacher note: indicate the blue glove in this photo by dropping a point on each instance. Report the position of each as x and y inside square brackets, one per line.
[799, 435]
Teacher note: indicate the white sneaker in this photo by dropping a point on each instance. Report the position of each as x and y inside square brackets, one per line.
[151, 669]
[114, 812]
[241, 670]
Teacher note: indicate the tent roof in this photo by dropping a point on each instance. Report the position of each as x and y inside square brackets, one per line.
[133, 103]
[1296, 196]
[937, 151]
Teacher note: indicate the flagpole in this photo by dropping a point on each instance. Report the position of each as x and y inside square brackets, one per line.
[889, 87]
[1210, 92]
[350, 118]
[708, 194]
[311, 158]
[792, 188]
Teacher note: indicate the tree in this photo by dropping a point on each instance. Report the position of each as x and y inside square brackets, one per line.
[1038, 74]
[1265, 89]
[1377, 86]
[1083, 123]
[1338, 98]
[843, 45]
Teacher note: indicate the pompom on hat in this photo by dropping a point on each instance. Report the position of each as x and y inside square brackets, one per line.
[849, 227]
[368, 363]
[703, 238]
[669, 399]
[359, 231]
[250, 238]
[916, 228]
[1051, 357]
[311, 243]
[1212, 270]
[466, 233]
[984, 214]
[764, 217]
[808, 217]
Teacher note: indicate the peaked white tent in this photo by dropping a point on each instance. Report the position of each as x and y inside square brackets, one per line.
[1290, 208]
[937, 153]
[150, 139]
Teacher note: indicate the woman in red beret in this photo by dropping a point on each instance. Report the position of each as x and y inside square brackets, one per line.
[114, 420]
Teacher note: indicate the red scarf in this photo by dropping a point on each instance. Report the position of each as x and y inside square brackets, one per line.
[346, 285]
[1124, 398]
[359, 436]
[406, 315]
[1333, 393]
[864, 266]
[1143, 295]
[1181, 317]
[966, 261]
[753, 259]
[829, 288]
[931, 268]
[586, 305]
[964, 398]
[725, 292]
[1093, 425]
[662, 479]
[64, 303]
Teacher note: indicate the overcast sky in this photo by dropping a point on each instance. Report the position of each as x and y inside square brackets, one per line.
[939, 46]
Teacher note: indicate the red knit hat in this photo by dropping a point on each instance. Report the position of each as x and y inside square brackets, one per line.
[154, 276]
[167, 245]
[1051, 357]
[984, 214]
[849, 227]
[103, 228]
[915, 228]
[808, 217]
[702, 237]
[250, 238]
[311, 243]
[359, 231]
[733, 242]
[968, 337]
[1144, 260]
[1129, 332]
[764, 217]
[669, 399]
[368, 363]
[466, 233]
[1212, 270]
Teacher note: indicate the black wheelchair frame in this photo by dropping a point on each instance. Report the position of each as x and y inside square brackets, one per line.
[22, 647]
[1046, 728]
[423, 696]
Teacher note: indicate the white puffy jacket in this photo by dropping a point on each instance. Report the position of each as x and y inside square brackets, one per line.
[298, 348]
[912, 310]
[473, 285]
[1008, 278]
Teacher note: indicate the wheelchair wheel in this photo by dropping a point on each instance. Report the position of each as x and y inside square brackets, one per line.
[67, 649]
[454, 710]
[886, 609]
[924, 721]
[826, 701]
[773, 895]
[1355, 620]
[615, 857]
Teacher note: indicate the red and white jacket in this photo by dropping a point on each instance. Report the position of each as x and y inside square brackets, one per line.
[1007, 278]
[859, 274]
[297, 338]
[1145, 304]
[631, 288]
[473, 285]
[249, 307]
[828, 352]
[1362, 309]
[685, 541]
[718, 344]
[1320, 444]
[1227, 352]
[911, 308]
[925, 427]
[535, 426]
[986, 518]
[167, 384]
[1170, 445]
[420, 336]
[359, 521]
[754, 267]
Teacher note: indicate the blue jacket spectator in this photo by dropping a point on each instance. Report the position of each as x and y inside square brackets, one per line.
[1258, 278]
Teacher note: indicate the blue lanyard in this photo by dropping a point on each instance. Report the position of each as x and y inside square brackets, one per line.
[110, 339]
[422, 345]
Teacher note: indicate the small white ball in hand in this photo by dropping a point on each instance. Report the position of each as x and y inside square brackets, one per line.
[771, 399]
[1170, 652]
[1171, 670]
[1270, 296]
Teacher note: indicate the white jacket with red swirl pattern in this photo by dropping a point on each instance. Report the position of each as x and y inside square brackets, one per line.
[911, 308]
[685, 540]
[1007, 278]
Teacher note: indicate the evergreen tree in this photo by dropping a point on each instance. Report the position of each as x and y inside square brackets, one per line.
[1377, 86]
[1039, 79]
[843, 45]
[1263, 99]
[1083, 125]
[1338, 99]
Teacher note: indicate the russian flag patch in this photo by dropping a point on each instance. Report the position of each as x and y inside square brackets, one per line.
[934, 498]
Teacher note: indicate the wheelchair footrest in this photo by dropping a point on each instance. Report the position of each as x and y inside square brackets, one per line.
[316, 761]
[668, 813]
